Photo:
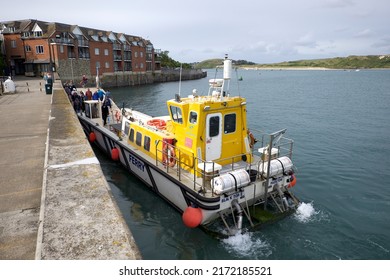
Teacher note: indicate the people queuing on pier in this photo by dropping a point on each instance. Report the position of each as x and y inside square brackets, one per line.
[77, 99]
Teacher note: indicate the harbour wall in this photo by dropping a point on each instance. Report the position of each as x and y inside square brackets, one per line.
[79, 216]
[122, 79]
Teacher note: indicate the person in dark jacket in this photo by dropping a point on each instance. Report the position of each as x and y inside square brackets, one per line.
[105, 111]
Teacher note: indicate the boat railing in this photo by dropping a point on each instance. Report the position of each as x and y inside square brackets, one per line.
[283, 145]
[271, 147]
[201, 172]
[197, 170]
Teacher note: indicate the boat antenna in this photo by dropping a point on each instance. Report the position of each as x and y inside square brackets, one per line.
[181, 68]
[238, 83]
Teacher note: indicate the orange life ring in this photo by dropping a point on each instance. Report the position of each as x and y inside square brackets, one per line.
[252, 139]
[158, 123]
[117, 116]
[169, 156]
[293, 182]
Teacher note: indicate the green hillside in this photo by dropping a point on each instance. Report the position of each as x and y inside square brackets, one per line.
[350, 62]
[212, 63]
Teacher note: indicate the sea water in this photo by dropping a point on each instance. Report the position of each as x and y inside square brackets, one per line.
[340, 124]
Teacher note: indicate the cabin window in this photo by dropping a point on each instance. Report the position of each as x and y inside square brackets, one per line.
[95, 111]
[87, 110]
[214, 126]
[176, 114]
[131, 136]
[229, 123]
[147, 143]
[193, 117]
[127, 127]
[138, 139]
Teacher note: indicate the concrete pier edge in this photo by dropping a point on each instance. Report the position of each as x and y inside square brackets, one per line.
[55, 202]
[79, 218]
[38, 249]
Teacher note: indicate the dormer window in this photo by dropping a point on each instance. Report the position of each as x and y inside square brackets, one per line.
[37, 33]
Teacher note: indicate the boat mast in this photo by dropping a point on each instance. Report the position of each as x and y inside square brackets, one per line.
[227, 74]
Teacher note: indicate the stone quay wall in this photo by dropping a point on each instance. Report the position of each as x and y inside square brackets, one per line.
[122, 79]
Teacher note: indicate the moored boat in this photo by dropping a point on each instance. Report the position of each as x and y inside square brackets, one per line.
[202, 157]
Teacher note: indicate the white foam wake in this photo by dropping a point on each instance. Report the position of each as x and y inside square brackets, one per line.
[305, 212]
[247, 245]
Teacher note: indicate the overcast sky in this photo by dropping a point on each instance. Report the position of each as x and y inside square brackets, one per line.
[261, 31]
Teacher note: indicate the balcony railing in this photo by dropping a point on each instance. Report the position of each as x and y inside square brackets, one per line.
[84, 56]
[64, 41]
[117, 57]
[126, 48]
[117, 46]
[83, 43]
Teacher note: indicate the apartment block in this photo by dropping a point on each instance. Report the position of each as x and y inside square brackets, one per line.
[32, 47]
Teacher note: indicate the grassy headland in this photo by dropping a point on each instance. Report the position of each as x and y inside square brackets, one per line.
[350, 62]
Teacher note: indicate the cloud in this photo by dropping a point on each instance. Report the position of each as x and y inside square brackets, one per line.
[364, 33]
[383, 44]
[306, 41]
[336, 4]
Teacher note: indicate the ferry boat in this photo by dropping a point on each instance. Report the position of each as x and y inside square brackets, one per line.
[203, 158]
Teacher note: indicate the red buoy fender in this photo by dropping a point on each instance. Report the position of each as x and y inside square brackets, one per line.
[192, 216]
[293, 181]
[115, 154]
[92, 137]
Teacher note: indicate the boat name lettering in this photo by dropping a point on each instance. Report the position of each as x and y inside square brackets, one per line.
[139, 164]
[275, 181]
[233, 196]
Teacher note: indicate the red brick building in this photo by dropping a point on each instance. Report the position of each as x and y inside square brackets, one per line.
[32, 47]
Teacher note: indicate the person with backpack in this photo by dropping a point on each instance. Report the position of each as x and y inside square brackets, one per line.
[105, 110]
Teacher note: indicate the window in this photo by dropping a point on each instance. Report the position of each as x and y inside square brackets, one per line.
[141, 54]
[135, 54]
[229, 123]
[87, 110]
[214, 126]
[26, 34]
[13, 44]
[96, 51]
[138, 139]
[61, 48]
[98, 64]
[127, 127]
[142, 65]
[107, 65]
[39, 49]
[27, 48]
[106, 52]
[193, 117]
[176, 114]
[131, 136]
[147, 143]
[37, 33]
